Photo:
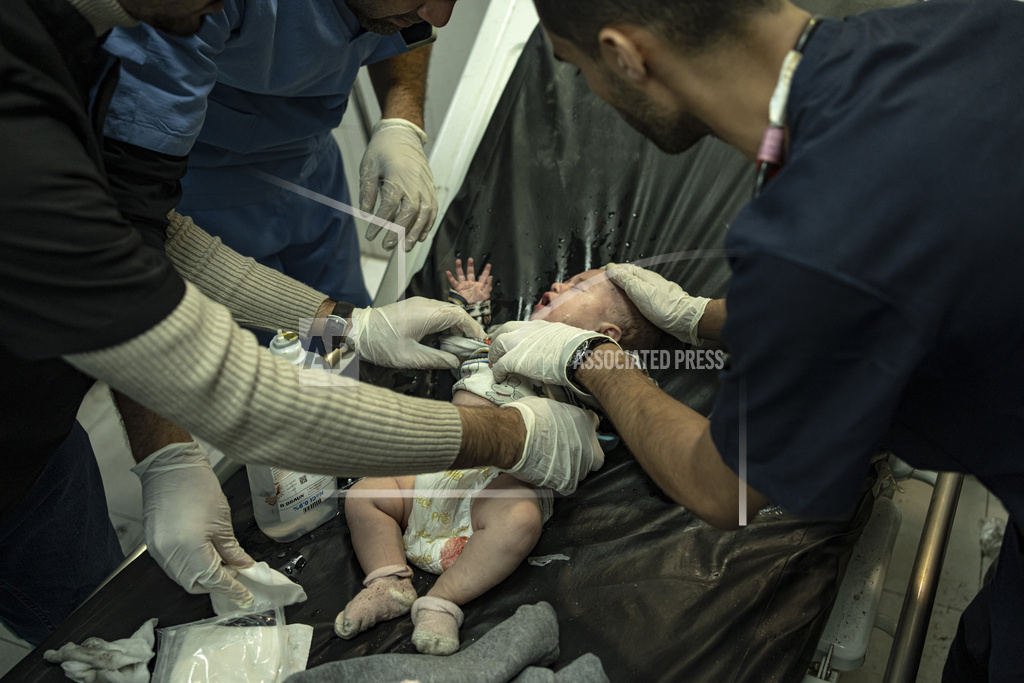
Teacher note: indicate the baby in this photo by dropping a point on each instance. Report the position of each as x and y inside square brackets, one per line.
[472, 527]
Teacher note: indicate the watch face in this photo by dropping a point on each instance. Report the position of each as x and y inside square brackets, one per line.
[335, 329]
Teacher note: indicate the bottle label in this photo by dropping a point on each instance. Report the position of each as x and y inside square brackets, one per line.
[299, 494]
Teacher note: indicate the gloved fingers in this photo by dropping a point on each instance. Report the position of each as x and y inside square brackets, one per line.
[405, 216]
[415, 356]
[443, 317]
[509, 327]
[372, 230]
[390, 205]
[390, 241]
[231, 552]
[457, 321]
[503, 341]
[632, 281]
[428, 223]
[383, 216]
[418, 231]
[221, 581]
[369, 184]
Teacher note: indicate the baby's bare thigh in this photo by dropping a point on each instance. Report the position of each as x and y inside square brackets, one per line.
[470, 400]
[391, 494]
[505, 500]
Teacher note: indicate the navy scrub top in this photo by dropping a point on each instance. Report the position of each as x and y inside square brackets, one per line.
[877, 297]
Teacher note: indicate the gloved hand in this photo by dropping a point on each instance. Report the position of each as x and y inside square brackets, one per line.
[390, 335]
[395, 168]
[187, 522]
[664, 303]
[561, 444]
[539, 350]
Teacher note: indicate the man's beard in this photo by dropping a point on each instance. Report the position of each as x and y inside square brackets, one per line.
[671, 132]
[375, 25]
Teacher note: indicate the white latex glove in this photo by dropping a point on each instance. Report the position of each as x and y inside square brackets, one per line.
[539, 350]
[390, 335]
[96, 660]
[268, 587]
[395, 170]
[188, 522]
[561, 444]
[662, 302]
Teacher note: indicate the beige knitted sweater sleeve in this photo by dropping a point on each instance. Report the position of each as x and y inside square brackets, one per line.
[257, 296]
[199, 369]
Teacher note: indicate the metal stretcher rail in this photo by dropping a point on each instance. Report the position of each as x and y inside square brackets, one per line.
[908, 643]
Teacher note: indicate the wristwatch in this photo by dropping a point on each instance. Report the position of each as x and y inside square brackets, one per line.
[578, 357]
[336, 326]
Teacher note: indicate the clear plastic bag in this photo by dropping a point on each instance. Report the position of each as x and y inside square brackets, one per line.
[242, 647]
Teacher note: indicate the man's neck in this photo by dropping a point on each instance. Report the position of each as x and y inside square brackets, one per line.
[103, 15]
[730, 88]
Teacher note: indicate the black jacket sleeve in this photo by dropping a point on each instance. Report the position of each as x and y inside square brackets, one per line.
[146, 185]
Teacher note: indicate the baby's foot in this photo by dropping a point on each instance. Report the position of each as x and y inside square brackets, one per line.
[437, 624]
[386, 598]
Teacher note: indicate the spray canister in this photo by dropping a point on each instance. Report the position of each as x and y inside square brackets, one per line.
[289, 504]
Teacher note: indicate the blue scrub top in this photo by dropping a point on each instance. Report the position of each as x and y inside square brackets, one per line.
[260, 85]
[877, 297]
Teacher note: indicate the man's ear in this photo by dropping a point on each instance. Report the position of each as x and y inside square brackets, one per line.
[622, 54]
[610, 329]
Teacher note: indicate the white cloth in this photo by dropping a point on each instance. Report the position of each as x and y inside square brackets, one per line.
[476, 376]
[268, 586]
[99, 661]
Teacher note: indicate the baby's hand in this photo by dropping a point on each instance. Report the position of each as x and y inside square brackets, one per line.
[467, 285]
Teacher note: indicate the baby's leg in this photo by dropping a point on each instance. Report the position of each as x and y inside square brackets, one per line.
[470, 400]
[376, 511]
[506, 527]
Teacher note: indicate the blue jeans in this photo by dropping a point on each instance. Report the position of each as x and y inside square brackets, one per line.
[59, 544]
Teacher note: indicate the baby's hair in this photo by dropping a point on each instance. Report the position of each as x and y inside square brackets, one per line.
[638, 332]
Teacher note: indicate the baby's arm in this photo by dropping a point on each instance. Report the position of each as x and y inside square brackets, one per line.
[471, 292]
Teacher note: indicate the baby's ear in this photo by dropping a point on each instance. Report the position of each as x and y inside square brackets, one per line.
[610, 329]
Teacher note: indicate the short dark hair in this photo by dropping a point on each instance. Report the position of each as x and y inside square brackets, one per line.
[691, 25]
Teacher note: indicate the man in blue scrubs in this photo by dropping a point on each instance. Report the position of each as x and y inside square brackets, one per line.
[248, 105]
[877, 298]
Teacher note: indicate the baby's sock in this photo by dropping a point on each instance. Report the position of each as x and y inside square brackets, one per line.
[437, 624]
[388, 593]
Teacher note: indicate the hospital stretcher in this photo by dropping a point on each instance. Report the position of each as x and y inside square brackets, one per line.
[542, 179]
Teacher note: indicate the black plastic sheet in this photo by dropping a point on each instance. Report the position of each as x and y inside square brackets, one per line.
[560, 184]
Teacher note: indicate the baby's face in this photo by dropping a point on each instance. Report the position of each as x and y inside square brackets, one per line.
[583, 301]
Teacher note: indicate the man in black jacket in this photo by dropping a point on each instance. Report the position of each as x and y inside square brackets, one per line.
[83, 296]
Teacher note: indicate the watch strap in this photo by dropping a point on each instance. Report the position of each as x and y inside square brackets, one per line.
[579, 356]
